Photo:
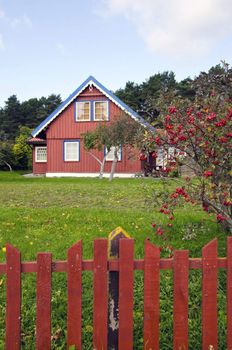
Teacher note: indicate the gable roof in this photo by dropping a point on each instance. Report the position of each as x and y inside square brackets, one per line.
[89, 81]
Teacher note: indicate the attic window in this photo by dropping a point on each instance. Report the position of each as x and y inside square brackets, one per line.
[101, 110]
[83, 111]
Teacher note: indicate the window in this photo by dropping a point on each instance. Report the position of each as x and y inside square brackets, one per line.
[41, 154]
[83, 111]
[110, 154]
[71, 151]
[101, 111]
[162, 156]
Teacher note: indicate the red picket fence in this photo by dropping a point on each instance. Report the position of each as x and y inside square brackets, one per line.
[125, 265]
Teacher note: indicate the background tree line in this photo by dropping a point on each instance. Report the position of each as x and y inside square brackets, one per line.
[17, 119]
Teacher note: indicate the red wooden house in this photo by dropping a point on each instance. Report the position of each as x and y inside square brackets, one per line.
[57, 142]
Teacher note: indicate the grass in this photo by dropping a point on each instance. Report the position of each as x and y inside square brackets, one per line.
[39, 214]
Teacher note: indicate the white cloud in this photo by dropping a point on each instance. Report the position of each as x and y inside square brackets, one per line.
[176, 27]
[14, 22]
[2, 13]
[61, 48]
[2, 46]
[22, 21]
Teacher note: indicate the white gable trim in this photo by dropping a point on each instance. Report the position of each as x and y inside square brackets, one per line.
[90, 81]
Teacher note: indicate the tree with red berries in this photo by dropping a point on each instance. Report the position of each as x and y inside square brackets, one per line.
[201, 137]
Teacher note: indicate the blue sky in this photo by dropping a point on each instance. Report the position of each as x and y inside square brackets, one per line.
[52, 46]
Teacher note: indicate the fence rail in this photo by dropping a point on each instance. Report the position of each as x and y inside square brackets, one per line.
[124, 268]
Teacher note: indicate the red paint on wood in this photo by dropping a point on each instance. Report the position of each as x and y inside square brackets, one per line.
[87, 164]
[180, 306]
[229, 293]
[13, 298]
[43, 301]
[74, 287]
[209, 296]
[100, 295]
[113, 265]
[126, 278]
[38, 168]
[151, 297]
[64, 127]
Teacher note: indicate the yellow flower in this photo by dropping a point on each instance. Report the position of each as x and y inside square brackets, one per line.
[88, 328]
[4, 249]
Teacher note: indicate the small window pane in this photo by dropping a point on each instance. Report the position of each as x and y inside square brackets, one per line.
[110, 154]
[161, 159]
[101, 110]
[41, 154]
[83, 111]
[71, 151]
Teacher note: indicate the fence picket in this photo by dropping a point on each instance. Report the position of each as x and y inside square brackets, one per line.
[74, 292]
[151, 297]
[123, 264]
[100, 309]
[180, 303]
[13, 298]
[209, 296]
[229, 294]
[43, 301]
[126, 279]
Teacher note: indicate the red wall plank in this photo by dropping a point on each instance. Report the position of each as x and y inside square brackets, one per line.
[126, 279]
[38, 168]
[100, 295]
[43, 301]
[209, 296]
[180, 307]
[229, 293]
[87, 163]
[13, 298]
[74, 291]
[151, 297]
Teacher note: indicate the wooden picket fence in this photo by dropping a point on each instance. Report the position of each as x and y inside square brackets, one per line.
[101, 266]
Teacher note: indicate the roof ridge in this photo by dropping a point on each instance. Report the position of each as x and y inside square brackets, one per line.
[76, 92]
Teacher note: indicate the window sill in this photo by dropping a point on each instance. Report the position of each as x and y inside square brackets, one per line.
[71, 161]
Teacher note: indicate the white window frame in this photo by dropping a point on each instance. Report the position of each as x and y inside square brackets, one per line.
[36, 154]
[78, 151]
[109, 158]
[107, 110]
[76, 111]
[161, 160]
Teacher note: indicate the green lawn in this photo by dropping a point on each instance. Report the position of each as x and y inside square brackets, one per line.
[39, 214]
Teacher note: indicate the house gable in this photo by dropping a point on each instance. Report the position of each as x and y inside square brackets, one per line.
[67, 126]
[90, 87]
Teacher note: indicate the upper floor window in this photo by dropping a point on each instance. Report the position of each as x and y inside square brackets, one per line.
[83, 111]
[41, 154]
[101, 110]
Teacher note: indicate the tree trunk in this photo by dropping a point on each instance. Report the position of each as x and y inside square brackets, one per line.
[9, 166]
[102, 168]
[102, 164]
[113, 167]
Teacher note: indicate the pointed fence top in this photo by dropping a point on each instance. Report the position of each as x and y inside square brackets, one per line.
[113, 241]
